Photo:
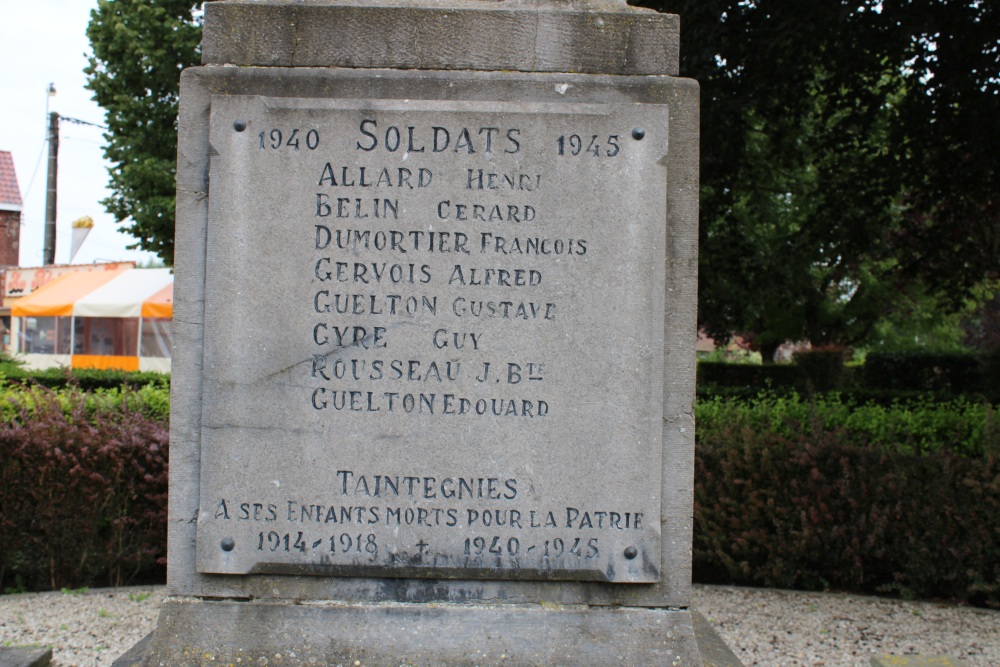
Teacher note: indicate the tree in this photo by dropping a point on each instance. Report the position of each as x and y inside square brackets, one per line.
[139, 49]
[831, 133]
[795, 250]
[850, 150]
[951, 227]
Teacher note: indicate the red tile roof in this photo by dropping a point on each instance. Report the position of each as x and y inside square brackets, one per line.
[10, 193]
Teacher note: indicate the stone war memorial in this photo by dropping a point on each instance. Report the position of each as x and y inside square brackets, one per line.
[434, 339]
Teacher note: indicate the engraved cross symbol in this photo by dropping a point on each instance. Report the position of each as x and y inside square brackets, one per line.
[422, 545]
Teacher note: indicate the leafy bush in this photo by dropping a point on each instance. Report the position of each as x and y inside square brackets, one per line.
[88, 379]
[991, 374]
[949, 373]
[868, 499]
[770, 376]
[18, 402]
[83, 489]
[823, 368]
[919, 425]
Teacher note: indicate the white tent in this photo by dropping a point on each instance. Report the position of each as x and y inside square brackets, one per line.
[118, 318]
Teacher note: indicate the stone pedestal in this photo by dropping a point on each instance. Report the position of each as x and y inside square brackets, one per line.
[434, 338]
[25, 656]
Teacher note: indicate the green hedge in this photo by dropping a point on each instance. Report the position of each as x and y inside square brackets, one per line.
[922, 424]
[18, 403]
[867, 499]
[752, 376]
[824, 370]
[947, 373]
[87, 379]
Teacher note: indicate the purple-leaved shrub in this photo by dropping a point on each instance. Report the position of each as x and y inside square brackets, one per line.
[83, 491]
[796, 503]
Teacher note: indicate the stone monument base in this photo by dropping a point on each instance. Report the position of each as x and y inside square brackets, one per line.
[25, 656]
[192, 632]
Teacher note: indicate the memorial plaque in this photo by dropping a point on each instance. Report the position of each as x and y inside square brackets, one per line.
[433, 339]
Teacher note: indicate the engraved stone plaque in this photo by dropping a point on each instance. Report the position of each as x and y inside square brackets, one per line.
[434, 339]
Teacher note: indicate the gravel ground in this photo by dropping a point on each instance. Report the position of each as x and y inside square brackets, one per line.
[792, 629]
[84, 628]
[763, 627]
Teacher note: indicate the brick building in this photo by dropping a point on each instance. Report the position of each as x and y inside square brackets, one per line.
[10, 234]
[10, 211]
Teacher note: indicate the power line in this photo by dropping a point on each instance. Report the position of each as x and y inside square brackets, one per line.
[41, 152]
[77, 121]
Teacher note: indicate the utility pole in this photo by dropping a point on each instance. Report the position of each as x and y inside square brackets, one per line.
[49, 249]
[49, 254]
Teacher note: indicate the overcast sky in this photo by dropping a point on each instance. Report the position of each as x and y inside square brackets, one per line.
[44, 41]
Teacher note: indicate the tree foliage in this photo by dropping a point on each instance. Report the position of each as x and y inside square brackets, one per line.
[951, 229]
[850, 151]
[139, 48]
[848, 155]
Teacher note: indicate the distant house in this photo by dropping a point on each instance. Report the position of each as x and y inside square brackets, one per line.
[10, 210]
[10, 228]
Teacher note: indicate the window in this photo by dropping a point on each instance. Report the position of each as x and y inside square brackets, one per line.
[107, 336]
[157, 340]
[45, 335]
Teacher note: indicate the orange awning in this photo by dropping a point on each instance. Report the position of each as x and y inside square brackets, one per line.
[105, 362]
[160, 304]
[56, 299]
